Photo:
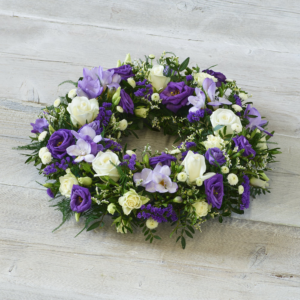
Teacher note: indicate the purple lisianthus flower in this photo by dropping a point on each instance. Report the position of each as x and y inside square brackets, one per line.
[157, 180]
[242, 143]
[126, 102]
[124, 71]
[214, 156]
[246, 193]
[175, 95]
[214, 190]
[59, 141]
[50, 193]
[39, 126]
[164, 159]
[82, 150]
[80, 199]
[255, 122]
[218, 75]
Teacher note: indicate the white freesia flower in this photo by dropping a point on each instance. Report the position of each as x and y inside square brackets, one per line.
[201, 208]
[123, 124]
[258, 183]
[46, 158]
[42, 136]
[182, 177]
[111, 208]
[102, 165]
[132, 200]
[236, 128]
[199, 78]
[151, 224]
[130, 152]
[224, 117]
[132, 82]
[195, 167]
[72, 93]
[232, 179]
[157, 78]
[243, 96]
[42, 151]
[240, 189]
[66, 183]
[82, 110]
[120, 109]
[56, 102]
[224, 170]
[213, 142]
[236, 107]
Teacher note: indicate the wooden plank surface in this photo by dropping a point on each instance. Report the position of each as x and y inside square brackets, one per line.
[43, 43]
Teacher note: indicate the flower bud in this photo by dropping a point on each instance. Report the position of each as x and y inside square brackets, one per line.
[48, 185]
[127, 59]
[241, 189]
[42, 136]
[51, 129]
[155, 97]
[131, 81]
[87, 181]
[199, 181]
[56, 102]
[146, 160]
[111, 208]
[190, 193]
[258, 183]
[116, 97]
[141, 112]
[130, 152]
[182, 176]
[72, 93]
[264, 176]
[177, 199]
[151, 56]
[77, 216]
[123, 124]
[119, 64]
[120, 109]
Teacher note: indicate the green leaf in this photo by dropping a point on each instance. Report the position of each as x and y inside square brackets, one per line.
[94, 226]
[148, 237]
[184, 65]
[188, 234]
[191, 228]
[68, 81]
[157, 237]
[218, 127]
[183, 243]
[220, 219]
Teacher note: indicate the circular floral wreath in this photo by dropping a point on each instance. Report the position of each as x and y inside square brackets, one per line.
[219, 163]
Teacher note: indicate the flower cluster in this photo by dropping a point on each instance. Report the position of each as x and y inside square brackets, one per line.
[220, 162]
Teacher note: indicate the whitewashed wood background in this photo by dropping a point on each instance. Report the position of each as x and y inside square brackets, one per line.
[43, 43]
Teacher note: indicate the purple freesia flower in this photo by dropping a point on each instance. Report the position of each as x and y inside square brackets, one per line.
[59, 141]
[255, 122]
[246, 193]
[214, 156]
[82, 150]
[214, 190]
[242, 143]
[197, 101]
[157, 180]
[175, 95]
[126, 102]
[124, 71]
[80, 199]
[218, 75]
[39, 126]
[164, 159]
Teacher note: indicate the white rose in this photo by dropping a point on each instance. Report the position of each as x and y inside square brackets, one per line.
[111, 208]
[201, 208]
[72, 93]
[131, 82]
[241, 189]
[130, 152]
[155, 97]
[132, 200]
[120, 109]
[123, 124]
[224, 117]
[82, 110]
[103, 167]
[236, 128]
[46, 158]
[224, 170]
[157, 78]
[56, 102]
[42, 136]
[151, 224]
[182, 177]
[199, 78]
[243, 96]
[232, 179]
[42, 151]
[66, 183]
[258, 183]
[236, 107]
[195, 167]
[213, 141]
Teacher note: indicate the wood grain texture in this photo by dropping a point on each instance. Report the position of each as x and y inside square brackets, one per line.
[255, 256]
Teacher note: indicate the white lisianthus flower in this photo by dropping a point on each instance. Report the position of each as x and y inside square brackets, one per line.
[123, 125]
[141, 112]
[199, 181]
[258, 183]
[130, 152]
[201, 208]
[132, 200]
[42, 151]
[213, 141]
[132, 82]
[240, 189]
[243, 96]
[155, 97]
[121, 228]
[225, 117]
[120, 109]
[157, 78]
[224, 170]
[56, 102]
[199, 78]
[182, 177]
[232, 179]
[111, 208]
[175, 151]
[42, 136]
[236, 107]
[151, 224]
[82, 110]
[46, 158]
[195, 167]
[102, 165]
[236, 128]
[66, 183]
[72, 93]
